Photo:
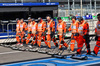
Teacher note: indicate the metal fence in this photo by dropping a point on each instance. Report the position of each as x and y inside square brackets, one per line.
[65, 13]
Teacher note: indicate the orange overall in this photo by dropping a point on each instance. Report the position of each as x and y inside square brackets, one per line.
[53, 33]
[73, 28]
[97, 31]
[22, 30]
[41, 29]
[61, 28]
[34, 30]
[50, 29]
[18, 32]
[83, 30]
[44, 33]
[29, 29]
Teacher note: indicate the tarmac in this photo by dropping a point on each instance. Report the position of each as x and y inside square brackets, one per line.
[7, 55]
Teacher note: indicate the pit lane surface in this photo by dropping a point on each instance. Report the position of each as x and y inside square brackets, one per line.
[20, 58]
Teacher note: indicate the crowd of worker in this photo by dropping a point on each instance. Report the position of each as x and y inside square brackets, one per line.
[46, 31]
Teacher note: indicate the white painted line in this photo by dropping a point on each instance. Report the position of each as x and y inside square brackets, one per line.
[30, 61]
[89, 64]
[9, 52]
[8, 36]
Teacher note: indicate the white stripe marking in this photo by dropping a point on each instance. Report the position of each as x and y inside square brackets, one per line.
[30, 61]
[89, 64]
[9, 52]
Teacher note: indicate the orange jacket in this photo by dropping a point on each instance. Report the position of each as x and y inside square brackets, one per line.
[61, 27]
[53, 26]
[83, 28]
[74, 27]
[29, 27]
[18, 27]
[23, 26]
[41, 26]
[97, 29]
[34, 28]
[86, 28]
[50, 26]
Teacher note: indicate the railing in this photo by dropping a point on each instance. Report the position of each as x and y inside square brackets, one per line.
[64, 13]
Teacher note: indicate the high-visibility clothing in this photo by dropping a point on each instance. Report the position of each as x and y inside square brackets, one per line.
[50, 33]
[53, 26]
[18, 32]
[97, 31]
[83, 28]
[61, 38]
[83, 31]
[44, 33]
[73, 39]
[18, 27]
[48, 27]
[81, 41]
[61, 27]
[23, 26]
[97, 46]
[74, 27]
[48, 40]
[86, 28]
[41, 29]
[29, 27]
[34, 28]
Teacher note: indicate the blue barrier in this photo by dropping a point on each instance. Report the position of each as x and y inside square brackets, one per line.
[29, 4]
[5, 35]
[89, 17]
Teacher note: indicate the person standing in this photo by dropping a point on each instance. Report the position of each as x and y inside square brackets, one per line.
[61, 29]
[83, 37]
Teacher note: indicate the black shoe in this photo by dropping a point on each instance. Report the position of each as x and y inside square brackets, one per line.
[77, 53]
[35, 44]
[89, 53]
[31, 44]
[56, 44]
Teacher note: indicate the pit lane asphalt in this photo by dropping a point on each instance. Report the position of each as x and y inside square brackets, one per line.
[7, 55]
